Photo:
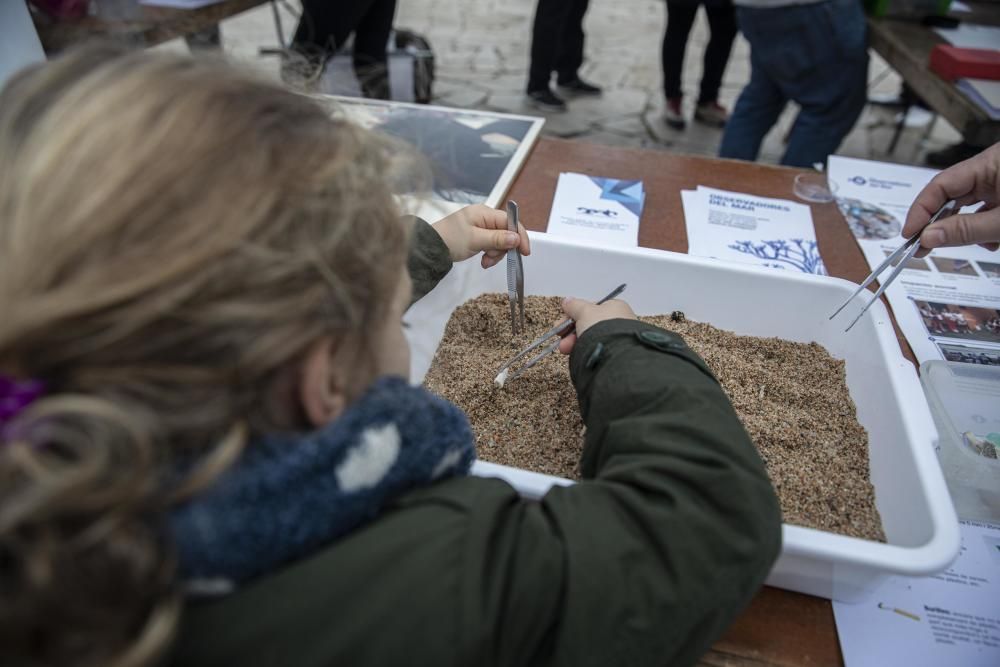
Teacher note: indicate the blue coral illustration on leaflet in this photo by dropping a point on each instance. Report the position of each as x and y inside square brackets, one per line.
[800, 254]
[742, 227]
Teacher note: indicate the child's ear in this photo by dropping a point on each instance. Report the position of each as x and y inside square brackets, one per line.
[322, 386]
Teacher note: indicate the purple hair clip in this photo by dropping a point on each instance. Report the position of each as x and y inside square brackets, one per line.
[16, 395]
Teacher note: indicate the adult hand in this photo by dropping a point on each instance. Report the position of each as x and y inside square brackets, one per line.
[479, 228]
[974, 180]
[587, 314]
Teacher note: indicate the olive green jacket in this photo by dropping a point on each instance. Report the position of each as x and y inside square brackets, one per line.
[645, 562]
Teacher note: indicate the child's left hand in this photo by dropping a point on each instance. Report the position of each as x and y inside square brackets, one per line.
[479, 228]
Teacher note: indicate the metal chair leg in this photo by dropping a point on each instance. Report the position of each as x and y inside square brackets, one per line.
[899, 130]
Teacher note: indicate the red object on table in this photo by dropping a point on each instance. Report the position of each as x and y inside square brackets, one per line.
[63, 9]
[950, 63]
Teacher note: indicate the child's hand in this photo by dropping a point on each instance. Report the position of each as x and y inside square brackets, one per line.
[479, 228]
[587, 314]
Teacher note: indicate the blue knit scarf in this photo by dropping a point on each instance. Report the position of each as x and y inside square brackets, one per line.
[289, 495]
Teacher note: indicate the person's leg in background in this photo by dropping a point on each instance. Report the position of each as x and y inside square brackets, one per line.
[550, 17]
[834, 94]
[680, 18]
[570, 54]
[323, 28]
[722, 24]
[827, 114]
[371, 64]
[761, 101]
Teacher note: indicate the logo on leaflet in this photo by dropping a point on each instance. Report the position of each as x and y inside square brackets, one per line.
[607, 212]
[878, 183]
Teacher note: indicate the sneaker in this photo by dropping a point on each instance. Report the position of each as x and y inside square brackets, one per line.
[711, 113]
[545, 100]
[673, 115]
[578, 87]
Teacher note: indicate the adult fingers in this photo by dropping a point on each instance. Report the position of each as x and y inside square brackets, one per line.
[958, 183]
[960, 230]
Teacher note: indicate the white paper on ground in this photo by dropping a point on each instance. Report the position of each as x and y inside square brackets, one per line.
[745, 228]
[603, 210]
[947, 304]
[949, 619]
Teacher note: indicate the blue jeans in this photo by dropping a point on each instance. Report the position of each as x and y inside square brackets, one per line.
[815, 55]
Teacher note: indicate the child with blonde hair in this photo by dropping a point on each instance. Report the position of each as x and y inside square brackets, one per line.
[210, 453]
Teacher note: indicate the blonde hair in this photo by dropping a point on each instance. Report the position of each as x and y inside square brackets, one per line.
[174, 234]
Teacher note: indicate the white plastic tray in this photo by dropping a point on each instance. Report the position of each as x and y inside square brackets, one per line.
[910, 493]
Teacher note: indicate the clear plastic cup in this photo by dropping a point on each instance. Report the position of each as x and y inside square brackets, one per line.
[814, 187]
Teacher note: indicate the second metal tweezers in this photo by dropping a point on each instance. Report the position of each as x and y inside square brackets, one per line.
[558, 332]
[899, 258]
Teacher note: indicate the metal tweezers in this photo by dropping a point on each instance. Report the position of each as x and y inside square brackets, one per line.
[899, 257]
[515, 274]
[560, 330]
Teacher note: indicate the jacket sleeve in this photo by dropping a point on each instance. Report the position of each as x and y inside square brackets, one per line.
[651, 557]
[429, 259]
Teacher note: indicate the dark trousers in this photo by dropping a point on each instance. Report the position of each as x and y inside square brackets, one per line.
[556, 42]
[326, 24]
[680, 18]
[815, 55]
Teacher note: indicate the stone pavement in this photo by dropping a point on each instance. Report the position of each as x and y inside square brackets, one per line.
[481, 49]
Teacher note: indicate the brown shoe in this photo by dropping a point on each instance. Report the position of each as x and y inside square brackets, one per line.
[711, 113]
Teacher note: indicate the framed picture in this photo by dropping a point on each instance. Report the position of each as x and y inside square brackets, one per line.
[473, 155]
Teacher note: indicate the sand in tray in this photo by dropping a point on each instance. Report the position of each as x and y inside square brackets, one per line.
[791, 397]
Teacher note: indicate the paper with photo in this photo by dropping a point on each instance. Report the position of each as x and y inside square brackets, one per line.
[472, 157]
[949, 619]
[740, 227]
[946, 304]
[604, 210]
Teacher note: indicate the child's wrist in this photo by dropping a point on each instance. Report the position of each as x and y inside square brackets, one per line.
[446, 231]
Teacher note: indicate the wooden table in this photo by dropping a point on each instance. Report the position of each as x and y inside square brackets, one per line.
[779, 627]
[128, 22]
[906, 45]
